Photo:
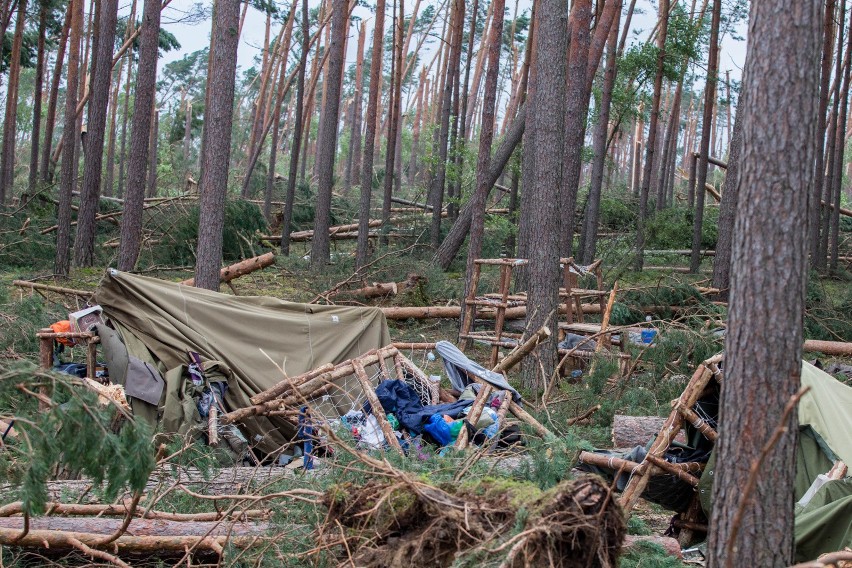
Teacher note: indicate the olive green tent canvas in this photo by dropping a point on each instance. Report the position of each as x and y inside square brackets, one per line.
[253, 342]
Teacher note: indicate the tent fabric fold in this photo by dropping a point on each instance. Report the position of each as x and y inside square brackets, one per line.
[258, 339]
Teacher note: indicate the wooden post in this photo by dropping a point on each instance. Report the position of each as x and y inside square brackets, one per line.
[690, 416]
[474, 414]
[470, 308]
[375, 405]
[525, 416]
[213, 426]
[505, 277]
[92, 357]
[45, 357]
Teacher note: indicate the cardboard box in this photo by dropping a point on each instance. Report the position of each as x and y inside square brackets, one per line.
[85, 320]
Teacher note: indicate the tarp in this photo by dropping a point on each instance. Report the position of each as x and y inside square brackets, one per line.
[456, 363]
[252, 338]
[824, 524]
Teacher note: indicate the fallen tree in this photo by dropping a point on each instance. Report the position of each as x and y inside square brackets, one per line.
[241, 268]
[837, 348]
[404, 522]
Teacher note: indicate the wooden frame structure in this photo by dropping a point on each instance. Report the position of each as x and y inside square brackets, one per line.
[570, 295]
[281, 398]
[47, 336]
[654, 462]
[499, 301]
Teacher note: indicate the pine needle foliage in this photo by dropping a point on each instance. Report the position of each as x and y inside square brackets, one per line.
[75, 434]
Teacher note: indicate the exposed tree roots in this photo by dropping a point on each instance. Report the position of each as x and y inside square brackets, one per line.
[402, 523]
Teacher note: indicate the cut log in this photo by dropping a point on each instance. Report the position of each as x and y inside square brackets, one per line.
[410, 203]
[298, 236]
[670, 545]
[226, 480]
[121, 510]
[838, 348]
[454, 312]
[241, 268]
[38, 537]
[632, 431]
[138, 527]
[381, 289]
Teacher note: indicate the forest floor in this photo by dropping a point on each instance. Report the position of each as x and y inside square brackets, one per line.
[686, 323]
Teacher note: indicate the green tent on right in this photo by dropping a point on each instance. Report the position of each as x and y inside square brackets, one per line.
[823, 505]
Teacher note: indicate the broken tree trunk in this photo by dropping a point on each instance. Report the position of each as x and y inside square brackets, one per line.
[381, 289]
[241, 268]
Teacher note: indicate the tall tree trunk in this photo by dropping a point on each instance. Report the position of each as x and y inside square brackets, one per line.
[53, 97]
[44, 8]
[353, 165]
[548, 124]
[125, 118]
[394, 111]
[728, 209]
[415, 129]
[218, 118]
[276, 127]
[769, 270]
[461, 141]
[528, 153]
[84, 242]
[651, 144]
[370, 137]
[454, 240]
[599, 147]
[576, 112]
[68, 173]
[187, 134]
[327, 136]
[584, 56]
[705, 148]
[436, 190]
[109, 174]
[137, 168]
[151, 191]
[10, 120]
[840, 147]
[486, 136]
[821, 260]
[297, 134]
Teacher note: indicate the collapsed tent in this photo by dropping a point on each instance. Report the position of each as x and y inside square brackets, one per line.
[243, 342]
[823, 520]
[823, 506]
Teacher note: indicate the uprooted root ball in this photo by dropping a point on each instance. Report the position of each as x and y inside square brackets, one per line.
[409, 523]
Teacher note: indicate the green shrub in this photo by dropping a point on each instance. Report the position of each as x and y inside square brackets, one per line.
[242, 220]
[672, 228]
[618, 213]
